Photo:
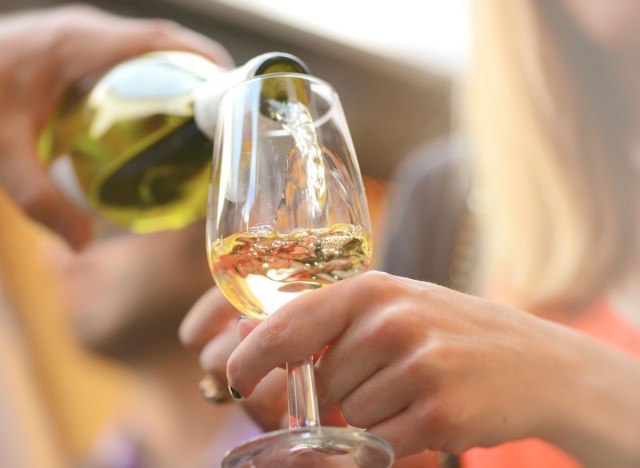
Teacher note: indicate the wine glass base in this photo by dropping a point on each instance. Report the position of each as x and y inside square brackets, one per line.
[312, 447]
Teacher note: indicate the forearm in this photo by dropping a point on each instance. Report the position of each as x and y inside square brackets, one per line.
[596, 416]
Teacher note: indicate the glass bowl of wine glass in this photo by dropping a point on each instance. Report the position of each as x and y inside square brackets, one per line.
[288, 214]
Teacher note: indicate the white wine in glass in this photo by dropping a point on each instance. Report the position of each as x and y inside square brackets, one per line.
[287, 215]
[262, 269]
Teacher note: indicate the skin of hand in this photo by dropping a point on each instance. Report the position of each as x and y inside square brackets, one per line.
[426, 367]
[210, 329]
[44, 53]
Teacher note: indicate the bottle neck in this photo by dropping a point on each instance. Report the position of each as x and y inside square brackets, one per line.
[208, 97]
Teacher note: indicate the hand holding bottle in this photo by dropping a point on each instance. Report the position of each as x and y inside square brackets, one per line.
[44, 53]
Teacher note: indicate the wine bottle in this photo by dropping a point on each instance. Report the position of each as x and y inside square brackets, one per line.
[139, 137]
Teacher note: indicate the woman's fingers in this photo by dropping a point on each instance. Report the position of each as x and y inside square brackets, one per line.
[418, 364]
[268, 404]
[395, 430]
[384, 343]
[127, 37]
[380, 397]
[300, 329]
[213, 358]
[25, 180]
[131, 37]
[246, 325]
[354, 317]
[207, 318]
[375, 340]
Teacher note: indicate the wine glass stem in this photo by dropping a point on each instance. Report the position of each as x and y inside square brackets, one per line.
[303, 402]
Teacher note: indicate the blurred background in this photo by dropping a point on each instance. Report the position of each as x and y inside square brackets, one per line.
[393, 65]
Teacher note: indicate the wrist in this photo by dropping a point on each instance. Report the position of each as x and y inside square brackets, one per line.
[594, 412]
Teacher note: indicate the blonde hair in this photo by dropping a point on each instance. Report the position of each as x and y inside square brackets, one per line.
[548, 128]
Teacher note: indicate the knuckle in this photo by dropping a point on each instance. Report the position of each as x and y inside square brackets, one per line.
[375, 279]
[396, 328]
[435, 415]
[426, 368]
[437, 419]
[388, 329]
[162, 27]
[439, 355]
[271, 335]
[438, 351]
[416, 366]
[380, 286]
[371, 286]
[424, 374]
[433, 419]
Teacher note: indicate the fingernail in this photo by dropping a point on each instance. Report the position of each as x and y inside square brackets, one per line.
[235, 393]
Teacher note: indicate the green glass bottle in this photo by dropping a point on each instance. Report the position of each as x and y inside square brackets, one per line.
[139, 137]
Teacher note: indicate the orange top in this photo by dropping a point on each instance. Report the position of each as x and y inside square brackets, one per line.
[601, 322]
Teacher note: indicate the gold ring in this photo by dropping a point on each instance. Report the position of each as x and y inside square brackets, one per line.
[213, 391]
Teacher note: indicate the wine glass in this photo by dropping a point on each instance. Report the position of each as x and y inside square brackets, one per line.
[287, 215]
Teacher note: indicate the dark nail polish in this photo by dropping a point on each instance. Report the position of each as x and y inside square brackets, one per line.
[235, 393]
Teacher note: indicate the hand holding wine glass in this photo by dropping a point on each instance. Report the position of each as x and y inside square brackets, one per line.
[287, 215]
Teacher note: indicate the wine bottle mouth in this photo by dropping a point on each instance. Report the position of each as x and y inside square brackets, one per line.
[312, 80]
[282, 63]
[209, 97]
[289, 87]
